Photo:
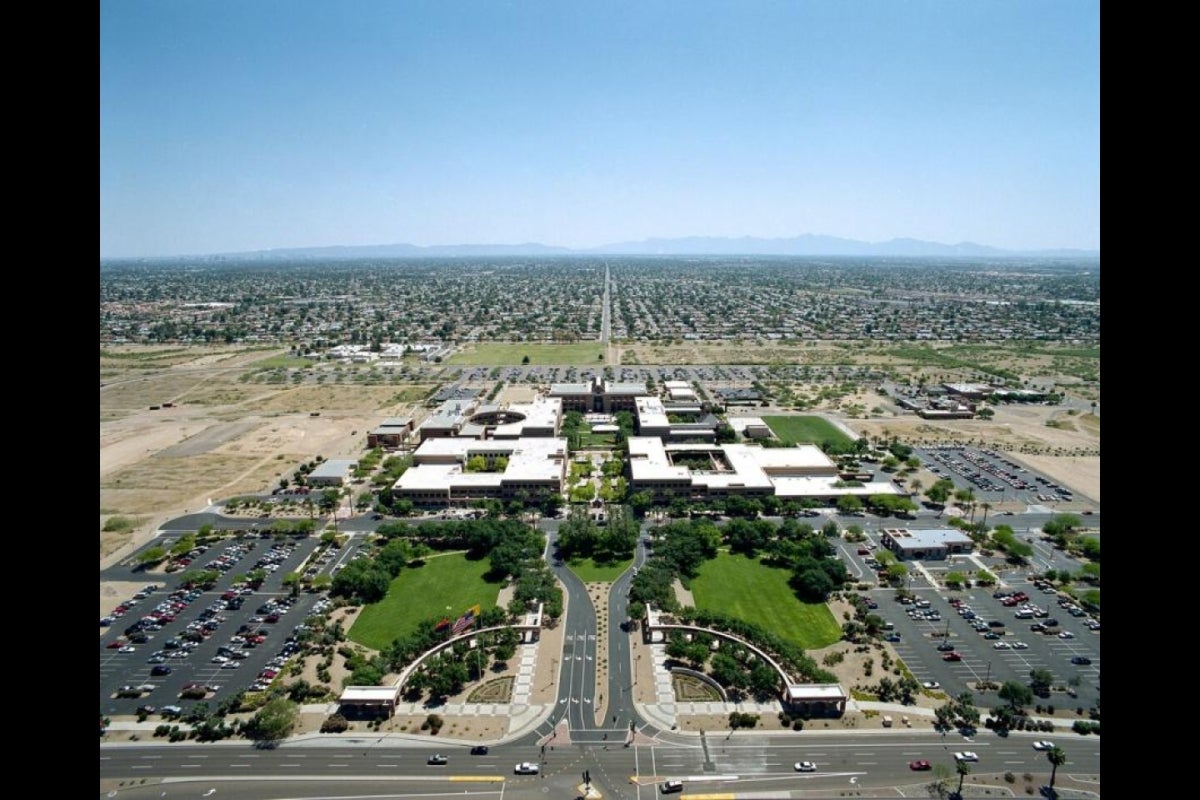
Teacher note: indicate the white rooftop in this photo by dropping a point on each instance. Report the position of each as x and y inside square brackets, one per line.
[935, 537]
[816, 691]
[539, 458]
[369, 694]
[334, 468]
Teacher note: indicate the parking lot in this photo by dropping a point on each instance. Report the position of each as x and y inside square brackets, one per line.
[166, 638]
[976, 638]
[992, 475]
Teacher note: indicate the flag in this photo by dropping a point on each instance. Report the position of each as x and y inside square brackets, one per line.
[466, 621]
[441, 626]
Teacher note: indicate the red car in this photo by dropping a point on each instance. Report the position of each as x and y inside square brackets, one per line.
[919, 765]
[953, 655]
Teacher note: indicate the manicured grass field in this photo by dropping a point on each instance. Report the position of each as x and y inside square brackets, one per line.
[503, 354]
[744, 588]
[806, 430]
[422, 593]
[591, 572]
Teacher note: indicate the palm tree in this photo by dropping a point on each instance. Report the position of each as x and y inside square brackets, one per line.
[966, 497]
[963, 769]
[1057, 758]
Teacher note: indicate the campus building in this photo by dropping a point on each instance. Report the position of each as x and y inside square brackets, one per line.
[654, 419]
[598, 396]
[511, 468]
[335, 473]
[935, 544]
[697, 471]
[391, 433]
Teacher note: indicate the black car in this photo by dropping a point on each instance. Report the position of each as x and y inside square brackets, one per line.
[1082, 661]
[479, 750]
[160, 669]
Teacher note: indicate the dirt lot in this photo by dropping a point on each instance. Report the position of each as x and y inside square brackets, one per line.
[223, 434]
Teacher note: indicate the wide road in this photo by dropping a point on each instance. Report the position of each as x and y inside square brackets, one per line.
[743, 765]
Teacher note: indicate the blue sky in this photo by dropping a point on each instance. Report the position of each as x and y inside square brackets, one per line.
[229, 126]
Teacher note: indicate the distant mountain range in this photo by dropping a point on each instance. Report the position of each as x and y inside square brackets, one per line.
[805, 245]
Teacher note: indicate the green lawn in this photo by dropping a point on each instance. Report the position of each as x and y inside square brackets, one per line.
[806, 430]
[491, 354]
[591, 572]
[744, 588]
[422, 593]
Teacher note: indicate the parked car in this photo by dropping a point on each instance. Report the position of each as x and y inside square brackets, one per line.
[953, 655]
[1081, 661]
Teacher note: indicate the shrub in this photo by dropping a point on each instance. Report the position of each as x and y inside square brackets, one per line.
[798, 725]
[335, 723]
[1010, 778]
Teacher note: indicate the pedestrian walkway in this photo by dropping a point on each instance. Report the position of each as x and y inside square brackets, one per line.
[520, 713]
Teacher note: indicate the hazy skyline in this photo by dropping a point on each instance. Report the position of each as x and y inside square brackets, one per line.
[244, 126]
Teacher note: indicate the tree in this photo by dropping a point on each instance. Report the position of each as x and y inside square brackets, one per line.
[1040, 681]
[329, 500]
[636, 611]
[151, 555]
[275, 721]
[1016, 694]
[1057, 758]
[963, 769]
[849, 504]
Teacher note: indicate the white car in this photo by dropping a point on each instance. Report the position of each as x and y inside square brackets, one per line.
[1043, 745]
[931, 685]
[1000, 646]
[1019, 646]
[805, 766]
[1066, 635]
[526, 768]
[966, 755]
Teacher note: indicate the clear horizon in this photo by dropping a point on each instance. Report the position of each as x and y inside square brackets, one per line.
[228, 127]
